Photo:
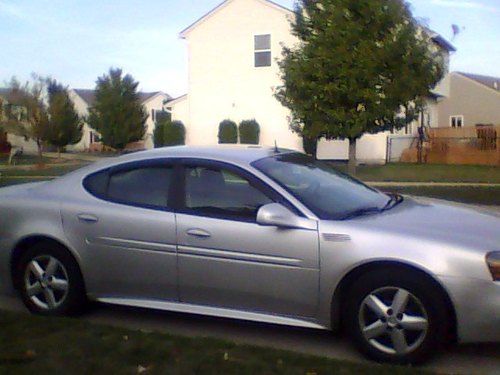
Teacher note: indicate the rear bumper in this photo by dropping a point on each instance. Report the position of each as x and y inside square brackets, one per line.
[477, 306]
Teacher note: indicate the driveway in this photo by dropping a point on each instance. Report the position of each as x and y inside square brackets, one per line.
[471, 359]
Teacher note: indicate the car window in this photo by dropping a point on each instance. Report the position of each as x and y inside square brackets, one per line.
[222, 193]
[331, 195]
[97, 183]
[145, 186]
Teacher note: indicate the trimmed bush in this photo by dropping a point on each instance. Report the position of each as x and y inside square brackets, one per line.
[249, 132]
[169, 133]
[228, 132]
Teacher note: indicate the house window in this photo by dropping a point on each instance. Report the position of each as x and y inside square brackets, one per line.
[262, 47]
[457, 121]
[153, 115]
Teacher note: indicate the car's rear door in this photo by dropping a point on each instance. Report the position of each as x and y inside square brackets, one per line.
[125, 231]
[227, 260]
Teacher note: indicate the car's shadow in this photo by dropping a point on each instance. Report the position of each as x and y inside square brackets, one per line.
[466, 359]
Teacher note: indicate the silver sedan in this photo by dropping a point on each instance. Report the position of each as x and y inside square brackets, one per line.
[258, 234]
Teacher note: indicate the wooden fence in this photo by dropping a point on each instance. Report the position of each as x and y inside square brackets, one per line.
[478, 145]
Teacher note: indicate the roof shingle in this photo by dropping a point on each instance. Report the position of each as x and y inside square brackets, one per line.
[491, 82]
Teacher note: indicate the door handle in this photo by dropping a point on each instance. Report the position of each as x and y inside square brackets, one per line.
[200, 233]
[86, 218]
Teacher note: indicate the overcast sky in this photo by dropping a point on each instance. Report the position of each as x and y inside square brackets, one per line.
[77, 41]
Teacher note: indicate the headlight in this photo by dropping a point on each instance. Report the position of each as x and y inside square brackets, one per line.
[493, 260]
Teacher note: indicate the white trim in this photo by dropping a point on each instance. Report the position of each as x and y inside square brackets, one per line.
[177, 100]
[457, 117]
[155, 96]
[184, 33]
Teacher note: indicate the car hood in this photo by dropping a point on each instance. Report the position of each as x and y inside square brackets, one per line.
[438, 221]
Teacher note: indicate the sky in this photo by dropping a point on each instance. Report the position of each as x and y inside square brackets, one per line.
[76, 41]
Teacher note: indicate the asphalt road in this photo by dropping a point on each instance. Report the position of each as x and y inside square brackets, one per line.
[470, 359]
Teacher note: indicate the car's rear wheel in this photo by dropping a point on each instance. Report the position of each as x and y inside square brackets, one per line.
[50, 281]
[397, 316]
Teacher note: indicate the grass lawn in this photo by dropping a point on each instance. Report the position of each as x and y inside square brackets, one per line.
[427, 173]
[30, 344]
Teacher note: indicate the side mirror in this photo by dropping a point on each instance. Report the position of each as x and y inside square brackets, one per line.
[277, 215]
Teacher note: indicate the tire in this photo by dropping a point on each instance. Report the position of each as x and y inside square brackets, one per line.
[50, 281]
[395, 332]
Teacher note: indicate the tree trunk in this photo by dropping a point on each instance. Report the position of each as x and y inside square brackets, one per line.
[58, 153]
[40, 151]
[351, 164]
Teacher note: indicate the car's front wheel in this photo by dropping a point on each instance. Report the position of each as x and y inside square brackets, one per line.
[50, 281]
[396, 316]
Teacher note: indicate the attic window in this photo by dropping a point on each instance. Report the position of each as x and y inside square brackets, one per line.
[262, 49]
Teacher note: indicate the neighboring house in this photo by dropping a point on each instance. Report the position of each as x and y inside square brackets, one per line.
[473, 99]
[29, 146]
[233, 74]
[153, 102]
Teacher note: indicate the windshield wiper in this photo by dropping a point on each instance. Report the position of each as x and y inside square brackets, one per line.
[361, 212]
[394, 200]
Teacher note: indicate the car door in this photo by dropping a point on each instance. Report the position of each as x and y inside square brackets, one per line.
[125, 231]
[227, 260]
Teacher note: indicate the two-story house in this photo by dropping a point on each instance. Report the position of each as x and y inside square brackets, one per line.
[153, 103]
[233, 73]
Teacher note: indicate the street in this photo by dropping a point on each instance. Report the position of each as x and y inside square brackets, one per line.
[468, 359]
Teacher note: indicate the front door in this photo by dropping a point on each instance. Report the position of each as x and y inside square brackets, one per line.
[227, 260]
[125, 232]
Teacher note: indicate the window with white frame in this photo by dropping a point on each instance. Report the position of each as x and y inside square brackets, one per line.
[262, 50]
[457, 121]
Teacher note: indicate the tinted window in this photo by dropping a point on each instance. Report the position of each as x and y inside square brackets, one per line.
[97, 184]
[328, 193]
[146, 186]
[218, 192]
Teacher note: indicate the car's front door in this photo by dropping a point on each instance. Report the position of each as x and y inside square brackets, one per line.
[227, 260]
[125, 232]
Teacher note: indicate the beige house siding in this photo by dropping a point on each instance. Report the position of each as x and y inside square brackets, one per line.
[478, 103]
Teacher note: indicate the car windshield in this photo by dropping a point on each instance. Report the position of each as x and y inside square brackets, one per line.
[330, 194]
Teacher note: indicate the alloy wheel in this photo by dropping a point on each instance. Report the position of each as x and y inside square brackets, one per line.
[46, 282]
[393, 320]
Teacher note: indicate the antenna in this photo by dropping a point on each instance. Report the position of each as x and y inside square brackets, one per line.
[276, 149]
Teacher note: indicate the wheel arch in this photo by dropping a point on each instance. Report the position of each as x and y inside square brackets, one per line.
[28, 242]
[341, 291]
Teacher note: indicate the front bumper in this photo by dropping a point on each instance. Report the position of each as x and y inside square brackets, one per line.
[477, 306]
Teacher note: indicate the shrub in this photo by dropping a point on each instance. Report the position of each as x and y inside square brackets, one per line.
[249, 132]
[169, 133]
[228, 132]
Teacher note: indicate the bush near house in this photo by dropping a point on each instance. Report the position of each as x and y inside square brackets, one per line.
[169, 133]
[249, 131]
[228, 132]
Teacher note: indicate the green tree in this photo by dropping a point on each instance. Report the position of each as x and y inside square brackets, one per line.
[65, 126]
[26, 113]
[249, 131]
[169, 133]
[117, 113]
[228, 132]
[361, 67]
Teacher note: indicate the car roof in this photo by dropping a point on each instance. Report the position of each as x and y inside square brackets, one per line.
[241, 154]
